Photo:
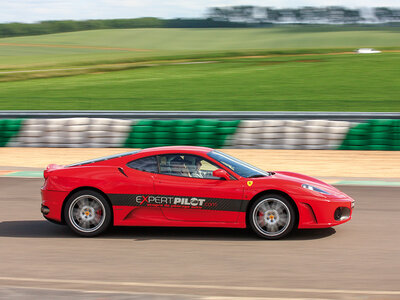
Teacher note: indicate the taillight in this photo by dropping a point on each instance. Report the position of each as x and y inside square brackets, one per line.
[50, 168]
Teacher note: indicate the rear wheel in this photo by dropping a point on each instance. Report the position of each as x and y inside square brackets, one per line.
[87, 213]
[272, 217]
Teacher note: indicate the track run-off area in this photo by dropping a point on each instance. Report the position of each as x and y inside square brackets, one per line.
[357, 260]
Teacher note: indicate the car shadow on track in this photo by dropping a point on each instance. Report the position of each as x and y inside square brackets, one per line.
[45, 229]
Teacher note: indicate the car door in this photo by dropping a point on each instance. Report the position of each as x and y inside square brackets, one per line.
[134, 188]
[192, 194]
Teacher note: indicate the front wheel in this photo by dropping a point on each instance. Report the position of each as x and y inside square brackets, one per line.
[87, 213]
[272, 217]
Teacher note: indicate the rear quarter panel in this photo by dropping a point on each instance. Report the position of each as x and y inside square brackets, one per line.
[104, 178]
[108, 179]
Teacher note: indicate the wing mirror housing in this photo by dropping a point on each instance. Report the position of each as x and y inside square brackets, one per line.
[221, 174]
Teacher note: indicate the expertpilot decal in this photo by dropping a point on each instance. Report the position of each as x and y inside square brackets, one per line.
[170, 201]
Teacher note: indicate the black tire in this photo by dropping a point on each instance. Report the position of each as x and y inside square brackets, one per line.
[87, 213]
[272, 217]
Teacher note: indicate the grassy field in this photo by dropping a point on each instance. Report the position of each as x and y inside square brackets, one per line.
[104, 46]
[142, 69]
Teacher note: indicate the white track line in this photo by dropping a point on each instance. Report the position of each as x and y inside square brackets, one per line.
[257, 298]
[108, 292]
[194, 286]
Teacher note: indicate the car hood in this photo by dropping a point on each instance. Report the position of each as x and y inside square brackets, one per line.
[301, 179]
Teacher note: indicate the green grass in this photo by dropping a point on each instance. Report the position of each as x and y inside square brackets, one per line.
[221, 39]
[119, 79]
[313, 83]
[167, 42]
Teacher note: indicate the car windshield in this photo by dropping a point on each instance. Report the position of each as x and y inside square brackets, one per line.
[91, 161]
[236, 165]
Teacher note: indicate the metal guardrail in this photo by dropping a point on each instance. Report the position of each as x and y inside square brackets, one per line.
[222, 115]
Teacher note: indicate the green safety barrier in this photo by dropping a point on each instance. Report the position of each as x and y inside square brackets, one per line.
[8, 129]
[373, 135]
[194, 132]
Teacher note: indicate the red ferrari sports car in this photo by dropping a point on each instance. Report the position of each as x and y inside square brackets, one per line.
[189, 187]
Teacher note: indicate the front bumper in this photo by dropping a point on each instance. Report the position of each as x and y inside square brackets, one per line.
[323, 213]
[52, 202]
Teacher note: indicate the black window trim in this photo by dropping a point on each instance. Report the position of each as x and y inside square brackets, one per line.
[104, 158]
[158, 163]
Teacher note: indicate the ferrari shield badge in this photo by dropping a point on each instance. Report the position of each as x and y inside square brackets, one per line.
[249, 183]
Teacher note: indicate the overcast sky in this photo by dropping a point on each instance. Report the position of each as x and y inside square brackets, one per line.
[37, 10]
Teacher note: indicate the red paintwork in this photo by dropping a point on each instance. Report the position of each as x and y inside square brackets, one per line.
[315, 209]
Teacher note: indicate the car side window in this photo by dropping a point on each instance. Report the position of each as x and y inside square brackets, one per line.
[186, 165]
[145, 164]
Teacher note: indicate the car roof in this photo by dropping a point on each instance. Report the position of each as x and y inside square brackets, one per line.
[146, 152]
[169, 149]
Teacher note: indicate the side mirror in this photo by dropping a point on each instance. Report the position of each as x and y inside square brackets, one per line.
[221, 174]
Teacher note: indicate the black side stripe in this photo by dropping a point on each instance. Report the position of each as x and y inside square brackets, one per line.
[202, 203]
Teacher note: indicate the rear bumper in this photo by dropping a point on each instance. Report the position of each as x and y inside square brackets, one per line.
[52, 202]
[325, 212]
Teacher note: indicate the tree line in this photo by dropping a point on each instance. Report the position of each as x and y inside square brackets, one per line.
[48, 27]
[234, 16]
[307, 15]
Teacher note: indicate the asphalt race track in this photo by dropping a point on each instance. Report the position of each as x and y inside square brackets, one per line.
[357, 260]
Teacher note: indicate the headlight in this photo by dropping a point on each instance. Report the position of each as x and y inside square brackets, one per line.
[313, 188]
